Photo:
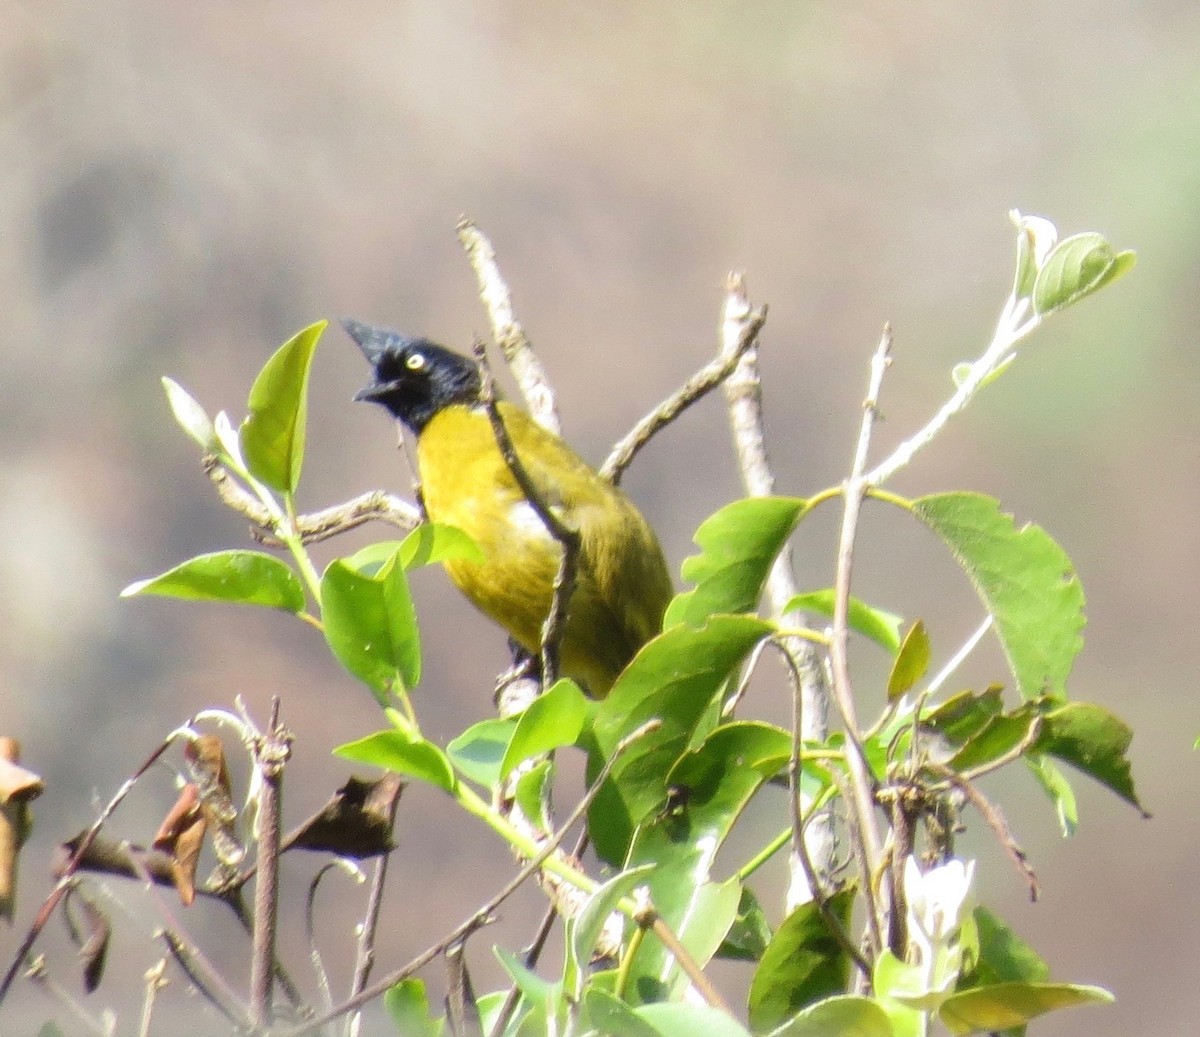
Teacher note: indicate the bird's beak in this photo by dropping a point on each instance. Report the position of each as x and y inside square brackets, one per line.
[372, 341]
[374, 392]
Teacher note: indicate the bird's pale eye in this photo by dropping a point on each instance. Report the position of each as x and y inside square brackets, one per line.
[415, 361]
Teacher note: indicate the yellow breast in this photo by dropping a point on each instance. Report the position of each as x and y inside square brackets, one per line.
[623, 585]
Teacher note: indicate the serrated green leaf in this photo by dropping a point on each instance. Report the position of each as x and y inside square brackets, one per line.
[191, 417]
[1054, 783]
[407, 1006]
[673, 679]
[237, 577]
[841, 1016]
[738, 545]
[477, 752]
[1024, 579]
[912, 661]
[272, 436]
[803, 964]
[552, 720]
[1076, 267]
[881, 627]
[1091, 740]
[404, 753]
[371, 626]
[1002, 1006]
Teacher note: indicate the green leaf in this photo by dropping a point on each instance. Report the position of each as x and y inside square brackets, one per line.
[712, 785]
[964, 715]
[1003, 1006]
[1094, 741]
[531, 795]
[552, 720]
[477, 752]
[610, 1015]
[1002, 956]
[272, 436]
[840, 1016]
[738, 545]
[371, 626]
[1055, 785]
[803, 964]
[1077, 267]
[673, 679]
[583, 931]
[191, 417]
[911, 663]
[999, 736]
[672, 1020]
[750, 933]
[881, 627]
[407, 1006]
[1024, 579]
[237, 577]
[427, 544]
[404, 753]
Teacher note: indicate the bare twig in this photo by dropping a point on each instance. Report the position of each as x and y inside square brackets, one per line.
[740, 325]
[995, 821]
[270, 757]
[567, 537]
[530, 955]
[52, 901]
[695, 388]
[484, 913]
[155, 980]
[320, 525]
[226, 1002]
[861, 781]
[365, 959]
[507, 331]
[38, 974]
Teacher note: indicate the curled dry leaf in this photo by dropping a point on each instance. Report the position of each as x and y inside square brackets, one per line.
[206, 763]
[181, 836]
[356, 822]
[18, 786]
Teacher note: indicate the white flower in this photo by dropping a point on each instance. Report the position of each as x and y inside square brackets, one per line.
[938, 902]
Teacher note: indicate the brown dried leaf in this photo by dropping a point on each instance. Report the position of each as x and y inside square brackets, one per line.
[181, 836]
[356, 822]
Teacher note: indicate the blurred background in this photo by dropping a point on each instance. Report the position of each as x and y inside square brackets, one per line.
[183, 186]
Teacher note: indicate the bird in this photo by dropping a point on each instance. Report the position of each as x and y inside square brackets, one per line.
[623, 584]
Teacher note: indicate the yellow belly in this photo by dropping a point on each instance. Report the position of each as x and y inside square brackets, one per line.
[623, 585]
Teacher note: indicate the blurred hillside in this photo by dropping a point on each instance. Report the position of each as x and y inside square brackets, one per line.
[183, 186]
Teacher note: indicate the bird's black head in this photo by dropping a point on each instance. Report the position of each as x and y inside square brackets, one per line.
[413, 377]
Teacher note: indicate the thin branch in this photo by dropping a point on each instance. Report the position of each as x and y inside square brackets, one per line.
[530, 955]
[365, 959]
[740, 324]
[861, 781]
[52, 901]
[484, 913]
[270, 757]
[155, 980]
[995, 821]
[1012, 326]
[694, 389]
[200, 979]
[569, 539]
[320, 525]
[506, 329]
